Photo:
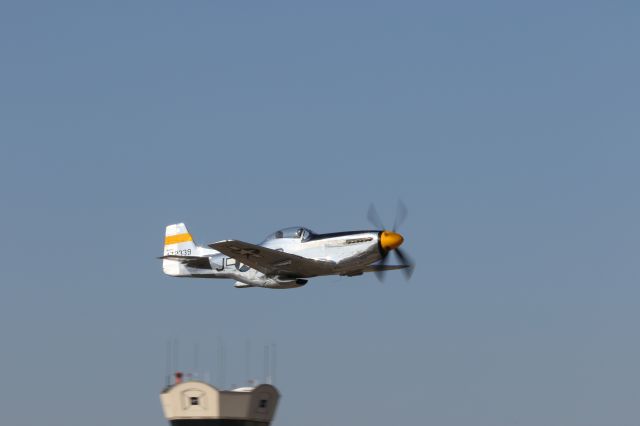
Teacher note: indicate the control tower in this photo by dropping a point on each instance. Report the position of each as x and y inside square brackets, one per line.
[196, 403]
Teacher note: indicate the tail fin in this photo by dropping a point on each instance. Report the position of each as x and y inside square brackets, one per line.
[177, 241]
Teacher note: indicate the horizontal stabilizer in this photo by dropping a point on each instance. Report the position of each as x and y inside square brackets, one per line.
[190, 261]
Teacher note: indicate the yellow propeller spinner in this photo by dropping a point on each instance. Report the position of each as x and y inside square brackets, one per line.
[390, 240]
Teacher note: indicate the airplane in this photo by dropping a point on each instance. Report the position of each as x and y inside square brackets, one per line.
[289, 257]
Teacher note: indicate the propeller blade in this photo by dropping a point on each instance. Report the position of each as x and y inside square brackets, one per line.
[408, 272]
[406, 260]
[374, 217]
[401, 215]
[380, 274]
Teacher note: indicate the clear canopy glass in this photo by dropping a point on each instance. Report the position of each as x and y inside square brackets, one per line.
[295, 232]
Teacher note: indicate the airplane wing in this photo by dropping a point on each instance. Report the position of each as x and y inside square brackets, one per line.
[376, 268]
[272, 262]
[198, 262]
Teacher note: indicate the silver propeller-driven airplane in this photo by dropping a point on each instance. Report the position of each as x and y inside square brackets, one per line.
[288, 257]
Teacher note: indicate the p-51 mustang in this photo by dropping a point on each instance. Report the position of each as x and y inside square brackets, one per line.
[288, 257]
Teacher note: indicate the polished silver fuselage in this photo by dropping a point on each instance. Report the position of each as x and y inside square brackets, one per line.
[344, 253]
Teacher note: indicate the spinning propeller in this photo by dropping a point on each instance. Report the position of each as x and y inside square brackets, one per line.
[390, 240]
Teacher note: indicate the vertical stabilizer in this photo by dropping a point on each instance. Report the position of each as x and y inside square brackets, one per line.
[178, 242]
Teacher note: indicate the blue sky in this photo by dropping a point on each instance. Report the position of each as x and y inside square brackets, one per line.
[508, 128]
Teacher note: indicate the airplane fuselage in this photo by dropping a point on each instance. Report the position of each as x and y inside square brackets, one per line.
[341, 253]
[346, 251]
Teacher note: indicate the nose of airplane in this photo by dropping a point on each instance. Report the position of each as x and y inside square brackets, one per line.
[390, 240]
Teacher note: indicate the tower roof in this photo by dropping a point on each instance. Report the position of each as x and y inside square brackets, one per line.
[199, 400]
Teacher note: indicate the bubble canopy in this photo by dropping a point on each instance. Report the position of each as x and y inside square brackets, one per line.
[294, 232]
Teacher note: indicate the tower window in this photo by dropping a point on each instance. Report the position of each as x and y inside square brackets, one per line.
[194, 400]
[263, 403]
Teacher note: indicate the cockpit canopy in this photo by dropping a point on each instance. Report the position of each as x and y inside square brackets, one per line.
[295, 232]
